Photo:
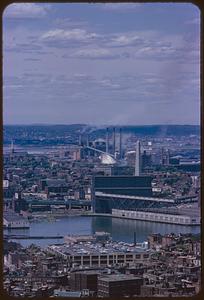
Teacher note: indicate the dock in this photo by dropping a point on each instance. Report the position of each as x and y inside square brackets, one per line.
[35, 237]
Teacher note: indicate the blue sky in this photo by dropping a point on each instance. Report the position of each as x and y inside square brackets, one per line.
[101, 63]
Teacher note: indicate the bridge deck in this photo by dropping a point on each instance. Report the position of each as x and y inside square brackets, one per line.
[134, 197]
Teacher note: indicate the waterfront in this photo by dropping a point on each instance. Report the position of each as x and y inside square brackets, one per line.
[119, 229]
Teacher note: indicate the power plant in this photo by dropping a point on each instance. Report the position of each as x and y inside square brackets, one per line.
[106, 147]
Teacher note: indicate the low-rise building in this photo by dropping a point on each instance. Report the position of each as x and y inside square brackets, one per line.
[13, 220]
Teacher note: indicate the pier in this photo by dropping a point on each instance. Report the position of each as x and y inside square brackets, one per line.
[25, 237]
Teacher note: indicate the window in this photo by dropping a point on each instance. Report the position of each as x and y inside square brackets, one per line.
[129, 256]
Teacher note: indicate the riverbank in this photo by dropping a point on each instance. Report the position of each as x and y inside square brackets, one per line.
[120, 229]
[74, 213]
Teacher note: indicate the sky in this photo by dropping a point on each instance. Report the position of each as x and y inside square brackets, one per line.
[101, 64]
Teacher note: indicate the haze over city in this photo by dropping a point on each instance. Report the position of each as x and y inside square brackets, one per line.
[101, 63]
[101, 150]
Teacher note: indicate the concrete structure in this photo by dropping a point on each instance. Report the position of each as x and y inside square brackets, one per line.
[106, 159]
[88, 254]
[118, 185]
[119, 285]
[12, 220]
[84, 280]
[67, 294]
[138, 159]
[114, 141]
[157, 217]
[79, 238]
[120, 143]
[107, 140]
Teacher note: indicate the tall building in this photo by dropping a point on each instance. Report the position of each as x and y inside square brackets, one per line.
[107, 140]
[120, 143]
[138, 159]
[12, 150]
[146, 160]
[114, 141]
[80, 140]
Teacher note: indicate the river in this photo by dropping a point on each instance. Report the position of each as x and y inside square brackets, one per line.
[120, 229]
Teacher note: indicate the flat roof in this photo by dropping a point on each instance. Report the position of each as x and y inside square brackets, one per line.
[88, 248]
[119, 277]
[11, 217]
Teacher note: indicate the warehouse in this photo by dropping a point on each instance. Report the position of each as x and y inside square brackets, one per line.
[99, 254]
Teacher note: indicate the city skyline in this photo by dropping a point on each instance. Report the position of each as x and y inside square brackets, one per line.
[76, 64]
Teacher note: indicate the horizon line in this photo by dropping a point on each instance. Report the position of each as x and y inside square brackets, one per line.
[96, 125]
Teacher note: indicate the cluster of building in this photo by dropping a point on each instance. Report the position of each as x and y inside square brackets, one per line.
[56, 181]
[153, 179]
[95, 266]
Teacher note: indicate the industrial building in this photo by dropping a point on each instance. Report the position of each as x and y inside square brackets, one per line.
[124, 185]
[118, 185]
[157, 216]
[131, 197]
[89, 254]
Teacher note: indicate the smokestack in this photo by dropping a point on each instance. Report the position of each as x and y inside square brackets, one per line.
[120, 143]
[168, 157]
[162, 157]
[12, 147]
[107, 140]
[80, 140]
[135, 240]
[114, 140]
[87, 140]
[137, 159]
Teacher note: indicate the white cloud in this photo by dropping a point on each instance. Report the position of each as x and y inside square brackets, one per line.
[125, 40]
[97, 53]
[26, 10]
[73, 34]
[69, 23]
[119, 7]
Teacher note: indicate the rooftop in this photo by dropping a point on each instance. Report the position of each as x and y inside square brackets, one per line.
[89, 248]
[11, 216]
[118, 277]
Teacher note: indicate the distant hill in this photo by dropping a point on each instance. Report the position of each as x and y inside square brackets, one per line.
[42, 135]
[164, 130]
